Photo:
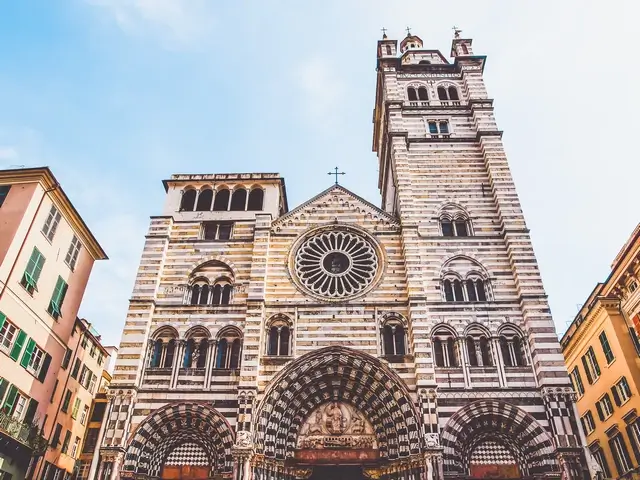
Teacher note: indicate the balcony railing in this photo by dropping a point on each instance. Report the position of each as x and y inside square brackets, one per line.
[25, 433]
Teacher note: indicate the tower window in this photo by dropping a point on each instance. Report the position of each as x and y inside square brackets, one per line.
[455, 228]
[440, 127]
[228, 350]
[394, 338]
[424, 62]
[279, 339]
[188, 201]
[216, 230]
[388, 49]
[512, 349]
[423, 94]
[256, 199]
[411, 93]
[239, 200]
[204, 200]
[221, 201]
[465, 50]
[444, 349]
[470, 290]
[449, 93]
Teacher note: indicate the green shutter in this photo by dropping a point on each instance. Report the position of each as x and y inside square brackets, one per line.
[38, 269]
[4, 384]
[17, 346]
[26, 356]
[31, 411]
[3, 318]
[34, 267]
[10, 400]
[45, 367]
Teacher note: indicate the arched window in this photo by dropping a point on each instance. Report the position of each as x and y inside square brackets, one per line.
[388, 49]
[424, 62]
[454, 228]
[188, 353]
[204, 200]
[394, 338]
[475, 290]
[453, 93]
[234, 360]
[203, 347]
[228, 351]
[256, 199]
[465, 50]
[188, 200]
[411, 92]
[423, 94]
[171, 352]
[478, 348]
[239, 200]
[221, 201]
[453, 290]
[512, 349]
[156, 354]
[200, 293]
[221, 293]
[279, 340]
[444, 348]
[442, 93]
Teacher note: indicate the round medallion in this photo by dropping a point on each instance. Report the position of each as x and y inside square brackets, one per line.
[336, 264]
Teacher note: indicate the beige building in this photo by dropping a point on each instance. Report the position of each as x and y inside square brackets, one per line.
[46, 256]
[602, 354]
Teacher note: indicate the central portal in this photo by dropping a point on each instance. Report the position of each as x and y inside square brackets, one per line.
[347, 472]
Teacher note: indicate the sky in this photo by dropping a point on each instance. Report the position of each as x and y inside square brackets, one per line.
[116, 95]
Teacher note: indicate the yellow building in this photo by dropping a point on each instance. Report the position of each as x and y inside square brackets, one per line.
[602, 353]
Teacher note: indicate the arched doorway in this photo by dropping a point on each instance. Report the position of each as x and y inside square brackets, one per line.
[337, 413]
[180, 441]
[492, 439]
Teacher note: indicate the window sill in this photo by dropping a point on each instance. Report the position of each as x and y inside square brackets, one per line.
[625, 401]
[30, 293]
[407, 358]
[611, 363]
[50, 240]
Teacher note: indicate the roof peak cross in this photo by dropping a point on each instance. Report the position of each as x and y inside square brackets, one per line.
[336, 173]
[408, 31]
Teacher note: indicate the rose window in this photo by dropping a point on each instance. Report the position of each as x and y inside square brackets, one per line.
[336, 264]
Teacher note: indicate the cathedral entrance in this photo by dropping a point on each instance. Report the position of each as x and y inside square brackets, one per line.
[345, 472]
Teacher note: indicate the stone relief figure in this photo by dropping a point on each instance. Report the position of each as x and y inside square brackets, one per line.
[243, 440]
[357, 424]
[335, 419]
[316, 427]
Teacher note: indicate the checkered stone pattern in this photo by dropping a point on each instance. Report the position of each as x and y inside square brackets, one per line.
[188, 454]
[484, 420]
[559, 412]
[337, 373]
[492, 453]
[177, 424]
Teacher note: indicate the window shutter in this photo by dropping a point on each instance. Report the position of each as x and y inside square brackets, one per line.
[31, 411]
[17, 347]
[38, 267]
[4, 384]
[76, 407]
[586, 370]
[45, 367]
[10, 400]
[26, 356]
[616, 396]
[599, 409]
[3, 318]
[33, 261]
[596, 367]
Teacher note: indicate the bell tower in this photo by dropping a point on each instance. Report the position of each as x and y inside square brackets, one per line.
[481, 326]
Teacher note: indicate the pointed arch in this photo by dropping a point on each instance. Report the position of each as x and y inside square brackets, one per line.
[512, 427]
[164, 430]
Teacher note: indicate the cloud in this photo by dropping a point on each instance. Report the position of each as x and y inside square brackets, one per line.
[176, 23]
[321, 89]
[8, 153]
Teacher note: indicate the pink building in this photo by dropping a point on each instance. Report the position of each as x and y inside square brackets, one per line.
[46, 256]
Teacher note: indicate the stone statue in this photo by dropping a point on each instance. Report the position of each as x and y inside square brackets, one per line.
[595, 467]
[432, 440]
[429, 469]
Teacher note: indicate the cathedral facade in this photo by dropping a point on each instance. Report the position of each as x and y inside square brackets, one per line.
[342, 340]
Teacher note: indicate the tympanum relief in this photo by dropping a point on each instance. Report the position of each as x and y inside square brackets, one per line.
[336, 425]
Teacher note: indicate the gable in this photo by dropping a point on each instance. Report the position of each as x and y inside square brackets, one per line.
[336, 205]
